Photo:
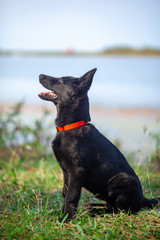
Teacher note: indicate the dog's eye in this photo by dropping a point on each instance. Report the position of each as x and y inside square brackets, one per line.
[74, 83]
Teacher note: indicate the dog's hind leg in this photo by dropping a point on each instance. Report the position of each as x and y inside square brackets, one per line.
[124, 193]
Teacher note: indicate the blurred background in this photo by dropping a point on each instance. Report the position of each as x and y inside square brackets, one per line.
[60, 38]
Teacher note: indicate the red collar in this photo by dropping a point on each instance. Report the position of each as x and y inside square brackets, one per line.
[71, 126]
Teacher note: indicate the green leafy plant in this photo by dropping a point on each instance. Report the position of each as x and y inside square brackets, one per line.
[155, 158]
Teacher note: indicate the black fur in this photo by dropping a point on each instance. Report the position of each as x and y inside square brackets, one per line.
[86, 157]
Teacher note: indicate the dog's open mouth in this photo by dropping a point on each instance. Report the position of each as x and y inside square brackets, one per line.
[49, 96]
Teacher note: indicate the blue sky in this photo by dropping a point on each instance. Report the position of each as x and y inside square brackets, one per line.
[84, 25]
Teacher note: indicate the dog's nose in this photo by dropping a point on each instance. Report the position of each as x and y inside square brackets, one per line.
[41, 76]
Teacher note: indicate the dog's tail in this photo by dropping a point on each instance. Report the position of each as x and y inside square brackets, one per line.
[150, 203]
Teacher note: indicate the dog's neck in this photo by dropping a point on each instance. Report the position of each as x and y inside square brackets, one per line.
[74, 113]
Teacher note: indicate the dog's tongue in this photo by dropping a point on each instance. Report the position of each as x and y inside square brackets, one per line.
[48, 94]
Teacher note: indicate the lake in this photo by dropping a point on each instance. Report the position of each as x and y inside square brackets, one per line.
[120, 81]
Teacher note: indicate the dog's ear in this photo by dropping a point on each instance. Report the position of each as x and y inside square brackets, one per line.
[85, 81]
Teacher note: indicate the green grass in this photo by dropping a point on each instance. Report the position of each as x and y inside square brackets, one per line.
[31, 200]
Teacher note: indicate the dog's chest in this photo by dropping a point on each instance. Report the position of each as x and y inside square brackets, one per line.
[64, 148]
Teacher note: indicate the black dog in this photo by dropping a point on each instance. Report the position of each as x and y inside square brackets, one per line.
[86, 157]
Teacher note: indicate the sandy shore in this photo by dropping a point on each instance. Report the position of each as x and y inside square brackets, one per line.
[37, 109]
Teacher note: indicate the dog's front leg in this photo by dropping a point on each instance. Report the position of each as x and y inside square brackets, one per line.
[72, 196]
[65, 188]
[71, 199]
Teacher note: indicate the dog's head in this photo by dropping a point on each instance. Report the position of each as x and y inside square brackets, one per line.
[65, 90]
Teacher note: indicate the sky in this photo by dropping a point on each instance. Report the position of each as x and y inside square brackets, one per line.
[86, 25]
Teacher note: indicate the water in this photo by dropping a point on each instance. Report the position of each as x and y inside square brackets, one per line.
[118, 82]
